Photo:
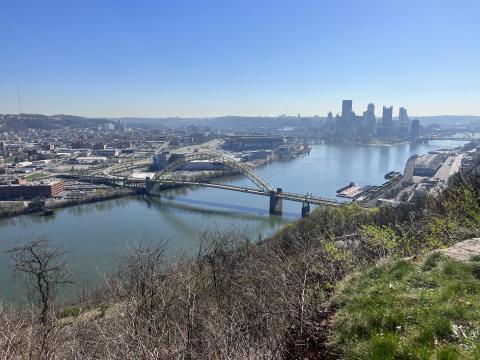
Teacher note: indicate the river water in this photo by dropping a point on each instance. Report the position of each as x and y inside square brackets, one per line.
[94, 234]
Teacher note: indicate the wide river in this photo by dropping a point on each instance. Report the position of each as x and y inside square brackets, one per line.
[94, 234]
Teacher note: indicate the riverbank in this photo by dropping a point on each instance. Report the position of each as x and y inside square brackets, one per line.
[374, 142]
[17, 208]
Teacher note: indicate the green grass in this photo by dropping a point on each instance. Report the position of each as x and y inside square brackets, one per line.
[401, 309]
[34, 176]
[9, 159]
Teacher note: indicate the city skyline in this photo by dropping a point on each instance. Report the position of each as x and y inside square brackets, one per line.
[268, 58]
[335, 109]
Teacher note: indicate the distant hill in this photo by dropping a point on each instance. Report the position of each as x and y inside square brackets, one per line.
[223, 122]
[234, 122]
[451, 120]
[38, 121]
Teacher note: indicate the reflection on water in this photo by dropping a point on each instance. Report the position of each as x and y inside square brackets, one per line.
[95, 232]
[174, 204]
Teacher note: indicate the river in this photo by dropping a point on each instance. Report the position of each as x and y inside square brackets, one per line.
[94, 234]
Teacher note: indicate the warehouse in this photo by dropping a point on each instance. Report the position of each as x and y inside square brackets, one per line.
[31, 190]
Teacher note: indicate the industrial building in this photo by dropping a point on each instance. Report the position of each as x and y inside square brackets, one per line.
[89, 160]
[106, 152]
[159, 160]
[257, 155]
[253, 142]
[32, 190]
[428, 165]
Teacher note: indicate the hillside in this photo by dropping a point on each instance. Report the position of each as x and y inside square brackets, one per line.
[411, 309]
[38, 121]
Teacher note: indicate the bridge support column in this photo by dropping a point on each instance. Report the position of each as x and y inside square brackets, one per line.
[148, 185]
[275, 202]
[305, 209]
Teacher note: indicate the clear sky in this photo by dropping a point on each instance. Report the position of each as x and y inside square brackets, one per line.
[243, 57]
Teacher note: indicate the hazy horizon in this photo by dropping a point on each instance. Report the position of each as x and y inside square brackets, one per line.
[153, 117]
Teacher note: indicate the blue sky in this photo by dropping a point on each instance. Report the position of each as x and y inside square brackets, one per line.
[244, 57]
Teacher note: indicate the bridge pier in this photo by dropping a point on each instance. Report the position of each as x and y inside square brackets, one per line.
[148, 185]
[275, 202]
[305, 209]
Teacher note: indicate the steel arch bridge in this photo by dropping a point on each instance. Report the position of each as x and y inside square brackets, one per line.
[161, 176]
[151, 185]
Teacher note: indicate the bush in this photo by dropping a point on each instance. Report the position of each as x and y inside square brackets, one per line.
[103, 309]
[70, 311]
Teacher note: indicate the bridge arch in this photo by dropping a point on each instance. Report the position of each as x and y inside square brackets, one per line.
[244, 169]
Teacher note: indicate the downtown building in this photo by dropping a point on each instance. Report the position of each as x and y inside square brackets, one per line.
[349, 126]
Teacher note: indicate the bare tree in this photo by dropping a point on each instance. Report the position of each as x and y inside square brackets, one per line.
[44, 270]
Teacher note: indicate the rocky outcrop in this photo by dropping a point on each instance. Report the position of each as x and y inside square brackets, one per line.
[463, 250]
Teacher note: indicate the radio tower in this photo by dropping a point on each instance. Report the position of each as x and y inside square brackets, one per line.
[18, 98]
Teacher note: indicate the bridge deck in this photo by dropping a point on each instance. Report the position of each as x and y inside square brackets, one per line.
[315, 200]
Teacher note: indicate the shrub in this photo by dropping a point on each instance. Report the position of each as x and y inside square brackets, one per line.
[70, 311]
[103, 309]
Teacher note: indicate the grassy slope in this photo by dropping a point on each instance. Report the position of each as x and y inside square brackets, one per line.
[405, 309]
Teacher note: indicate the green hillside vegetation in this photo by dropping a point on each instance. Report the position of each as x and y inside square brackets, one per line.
[405, 309]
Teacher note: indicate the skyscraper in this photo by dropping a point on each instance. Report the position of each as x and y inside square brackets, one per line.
[369, 123]
[385, 130]
[330, 116]
[415, 129]
[403, 118]
[387, 118]
[371, 109]
[347, 108]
